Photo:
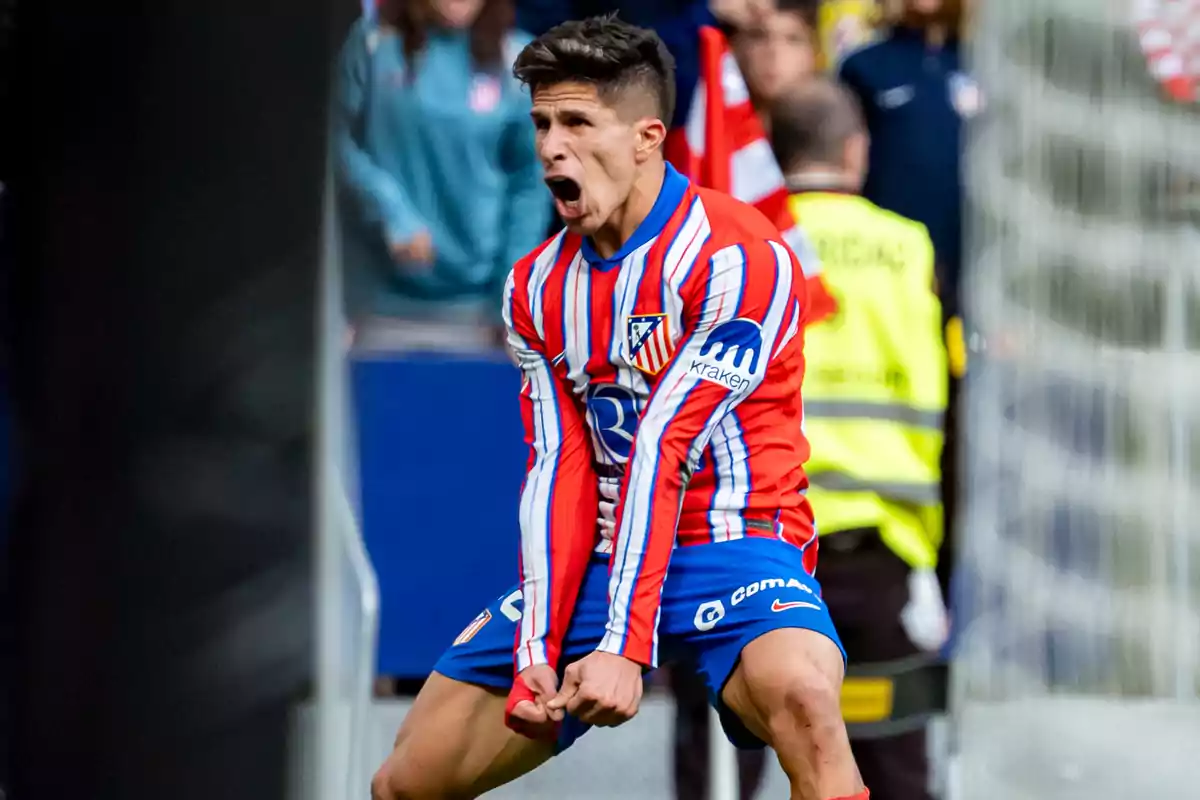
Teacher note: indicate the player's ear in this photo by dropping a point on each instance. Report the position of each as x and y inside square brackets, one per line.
[651, 133]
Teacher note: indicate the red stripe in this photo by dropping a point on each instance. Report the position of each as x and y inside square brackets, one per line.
[603, 286]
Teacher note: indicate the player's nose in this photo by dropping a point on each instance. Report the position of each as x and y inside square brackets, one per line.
[552, 146]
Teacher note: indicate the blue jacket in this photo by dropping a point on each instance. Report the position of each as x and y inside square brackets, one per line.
[436, 146]
[915, 99]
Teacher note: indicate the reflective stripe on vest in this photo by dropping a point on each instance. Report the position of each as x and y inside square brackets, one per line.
[920, 494]
[890, 412]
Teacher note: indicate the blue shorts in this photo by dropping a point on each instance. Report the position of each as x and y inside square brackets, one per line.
[717, 599]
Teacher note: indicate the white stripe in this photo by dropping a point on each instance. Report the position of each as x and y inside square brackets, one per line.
[657, 623]
[792, 329]
[783, 299]
[577, 312]
[732, 469]
[537, 282]
[681, 258]
[754, 173]
[535, 514]
[812, 537]
[625, 293]
[658, 347]
[510, 288]
[694, 129]
[733, 85]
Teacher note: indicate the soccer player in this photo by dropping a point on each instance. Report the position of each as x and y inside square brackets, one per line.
[660, 340]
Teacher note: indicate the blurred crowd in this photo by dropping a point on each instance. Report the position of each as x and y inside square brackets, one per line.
[442, 187]
[863, 104]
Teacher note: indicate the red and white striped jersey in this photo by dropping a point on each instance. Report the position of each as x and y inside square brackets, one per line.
[662, 396]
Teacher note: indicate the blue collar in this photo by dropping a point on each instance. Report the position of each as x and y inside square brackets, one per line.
[674, 186]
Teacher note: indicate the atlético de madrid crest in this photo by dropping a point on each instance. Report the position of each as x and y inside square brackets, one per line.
[649, 339]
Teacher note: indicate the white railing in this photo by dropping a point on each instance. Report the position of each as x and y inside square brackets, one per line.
[723, 781]
[346, 587]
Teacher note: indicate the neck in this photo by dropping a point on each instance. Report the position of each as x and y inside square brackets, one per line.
[818, 177]
[607, 240]
[935, 35]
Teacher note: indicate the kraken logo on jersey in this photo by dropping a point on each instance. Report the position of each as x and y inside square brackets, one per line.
[730, 354]
[650, 345]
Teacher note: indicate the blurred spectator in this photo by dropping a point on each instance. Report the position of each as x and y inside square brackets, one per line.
[442, 185]
[722, 145]
[842, 27]
[874, 398]
[777, 50]
[916, 96]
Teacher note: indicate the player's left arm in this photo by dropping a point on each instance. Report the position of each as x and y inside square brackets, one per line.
[740, 312]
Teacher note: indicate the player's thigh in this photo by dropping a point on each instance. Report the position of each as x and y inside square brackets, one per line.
[785, 679]
[733, 608]
[454, 744]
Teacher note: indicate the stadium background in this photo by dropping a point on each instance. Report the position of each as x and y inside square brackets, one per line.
[1076, 673]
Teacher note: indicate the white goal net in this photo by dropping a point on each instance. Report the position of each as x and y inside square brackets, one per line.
[1077, 673]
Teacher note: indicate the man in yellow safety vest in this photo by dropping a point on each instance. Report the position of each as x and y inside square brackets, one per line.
[874, 399]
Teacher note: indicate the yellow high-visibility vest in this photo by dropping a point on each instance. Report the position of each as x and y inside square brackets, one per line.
[875, 377]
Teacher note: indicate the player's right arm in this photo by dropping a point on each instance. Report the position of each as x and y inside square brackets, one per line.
[559, 496]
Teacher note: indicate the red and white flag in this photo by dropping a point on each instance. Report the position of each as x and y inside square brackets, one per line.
[723, 146]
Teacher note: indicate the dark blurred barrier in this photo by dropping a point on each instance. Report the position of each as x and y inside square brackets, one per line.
[441, 526]
[171, 158]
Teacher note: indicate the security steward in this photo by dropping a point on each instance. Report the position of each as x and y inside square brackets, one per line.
[874, 399]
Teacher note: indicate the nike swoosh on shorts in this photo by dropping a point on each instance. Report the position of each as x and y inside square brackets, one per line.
[778, 606]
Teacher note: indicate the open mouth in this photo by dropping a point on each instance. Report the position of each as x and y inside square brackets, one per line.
[564, 190]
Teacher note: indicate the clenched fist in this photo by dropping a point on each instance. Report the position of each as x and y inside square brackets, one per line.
[526, 711]
[600, 689]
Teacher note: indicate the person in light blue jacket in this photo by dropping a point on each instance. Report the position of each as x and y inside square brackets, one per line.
[441, 185]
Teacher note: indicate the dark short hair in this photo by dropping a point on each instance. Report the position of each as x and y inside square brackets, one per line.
[811, 124]
[604, 51]
[806, 10]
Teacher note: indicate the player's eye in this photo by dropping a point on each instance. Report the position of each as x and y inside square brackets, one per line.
[575, 121]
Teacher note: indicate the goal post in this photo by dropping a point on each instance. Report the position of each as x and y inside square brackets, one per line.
[1077, 670]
